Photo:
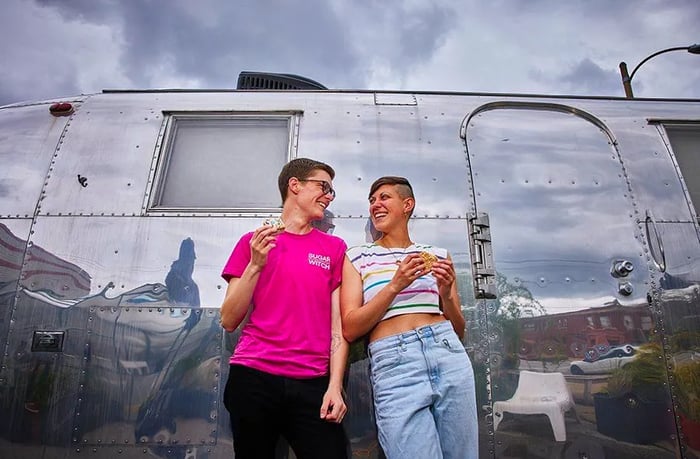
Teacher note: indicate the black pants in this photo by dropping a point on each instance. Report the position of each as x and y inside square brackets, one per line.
[264, 406]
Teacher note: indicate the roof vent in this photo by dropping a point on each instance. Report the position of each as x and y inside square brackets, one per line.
[275, 81]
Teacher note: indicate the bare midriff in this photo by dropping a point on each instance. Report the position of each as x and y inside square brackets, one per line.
[403, 323]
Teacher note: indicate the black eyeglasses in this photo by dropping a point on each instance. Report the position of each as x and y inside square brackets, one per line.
[325, 186]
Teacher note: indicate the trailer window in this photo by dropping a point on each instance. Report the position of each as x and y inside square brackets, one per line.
[214, 162]
[685, 143]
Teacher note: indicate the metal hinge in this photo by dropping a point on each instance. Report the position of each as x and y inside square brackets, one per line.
[483, 273]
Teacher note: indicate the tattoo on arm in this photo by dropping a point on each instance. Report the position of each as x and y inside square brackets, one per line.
[335, 342]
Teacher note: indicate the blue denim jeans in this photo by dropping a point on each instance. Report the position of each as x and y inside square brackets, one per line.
[424, 395]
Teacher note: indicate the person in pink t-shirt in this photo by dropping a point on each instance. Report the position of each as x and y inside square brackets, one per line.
[286, 372]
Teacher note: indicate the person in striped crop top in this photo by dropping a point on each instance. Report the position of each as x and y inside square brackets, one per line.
[403, 296]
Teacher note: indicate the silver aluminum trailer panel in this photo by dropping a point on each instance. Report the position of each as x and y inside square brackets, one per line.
[570, 221]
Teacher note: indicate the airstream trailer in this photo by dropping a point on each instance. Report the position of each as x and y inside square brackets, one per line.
[571, 221]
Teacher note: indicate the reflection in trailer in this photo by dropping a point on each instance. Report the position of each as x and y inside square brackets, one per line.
[570, 220]
[585, 332]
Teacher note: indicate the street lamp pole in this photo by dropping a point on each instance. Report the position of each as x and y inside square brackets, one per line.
[626, 80]
[627, 77]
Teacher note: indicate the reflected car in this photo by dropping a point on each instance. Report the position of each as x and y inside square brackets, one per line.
[603, 359]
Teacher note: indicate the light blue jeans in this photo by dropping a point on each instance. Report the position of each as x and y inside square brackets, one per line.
[424, 395]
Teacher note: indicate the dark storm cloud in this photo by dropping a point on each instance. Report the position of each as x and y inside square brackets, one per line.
[296, 37]
[575, 47]
[395, 38]
[213, 41]
[420, 31]
[304, 37]
[82, 10]
[53, 48]
[587, 77]
[44, 54]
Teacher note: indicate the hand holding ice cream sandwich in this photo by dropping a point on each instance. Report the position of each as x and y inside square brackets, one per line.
[276, 223]
[428, 258]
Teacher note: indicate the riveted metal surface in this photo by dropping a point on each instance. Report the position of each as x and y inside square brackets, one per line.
[568, 184]
[30, 137]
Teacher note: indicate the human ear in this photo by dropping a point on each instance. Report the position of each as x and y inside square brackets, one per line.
[293, 185]
[408, 205]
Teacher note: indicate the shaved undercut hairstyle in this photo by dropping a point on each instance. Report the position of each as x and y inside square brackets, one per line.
[403, 186]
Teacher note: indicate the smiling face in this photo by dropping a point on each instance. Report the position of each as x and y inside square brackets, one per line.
[315, 193]
[300, 169]
[389, 207]
[306, 189]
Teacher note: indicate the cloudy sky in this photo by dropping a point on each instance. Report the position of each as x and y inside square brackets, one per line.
[54, 48]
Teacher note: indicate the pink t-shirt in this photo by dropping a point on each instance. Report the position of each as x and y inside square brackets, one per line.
[288, 332]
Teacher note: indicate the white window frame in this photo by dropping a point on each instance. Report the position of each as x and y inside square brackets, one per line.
[166, 142]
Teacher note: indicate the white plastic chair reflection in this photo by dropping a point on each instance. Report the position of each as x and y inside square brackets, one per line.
[539, 393]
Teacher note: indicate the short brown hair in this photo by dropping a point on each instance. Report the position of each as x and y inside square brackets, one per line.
[404, 186]
[300, 168]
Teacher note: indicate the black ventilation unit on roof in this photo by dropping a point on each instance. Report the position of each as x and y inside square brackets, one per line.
[275, 81]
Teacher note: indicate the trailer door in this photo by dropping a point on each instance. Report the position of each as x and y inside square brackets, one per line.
[558, 257]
